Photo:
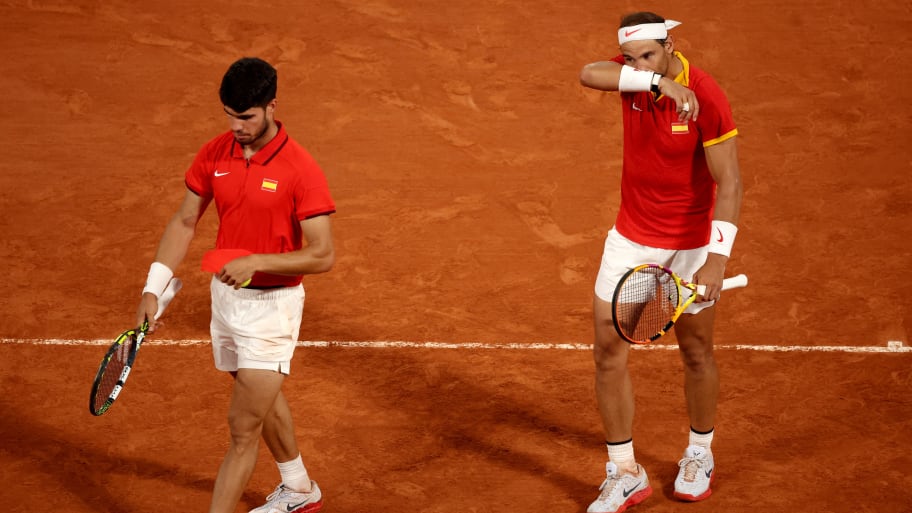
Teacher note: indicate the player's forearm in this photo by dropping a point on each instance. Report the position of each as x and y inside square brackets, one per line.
[314, 259]
[604, 75]
[729, 192]
[725, 221]
[728, 201]
[723, 165]
[175, 241]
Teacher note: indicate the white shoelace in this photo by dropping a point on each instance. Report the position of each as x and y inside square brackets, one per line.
[691, 466]
[610, 484]
[275, 495]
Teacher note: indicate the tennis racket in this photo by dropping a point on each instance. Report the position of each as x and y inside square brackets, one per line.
[649, 299]
[118, 361]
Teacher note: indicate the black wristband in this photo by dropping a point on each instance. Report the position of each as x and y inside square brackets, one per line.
[655, 83]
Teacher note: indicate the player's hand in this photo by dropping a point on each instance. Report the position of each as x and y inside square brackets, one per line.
[710, 276]
[148, 307]
[686, 101]
[239, 271]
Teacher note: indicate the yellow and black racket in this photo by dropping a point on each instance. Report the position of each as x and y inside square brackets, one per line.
[118, 361]
[649, 299]
[115, 368]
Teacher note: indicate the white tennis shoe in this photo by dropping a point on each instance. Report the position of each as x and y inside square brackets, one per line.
[621, 491]
[286, 500]
[695, 475]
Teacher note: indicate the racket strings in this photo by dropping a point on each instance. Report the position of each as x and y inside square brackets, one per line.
[645, 303]
[112, 371]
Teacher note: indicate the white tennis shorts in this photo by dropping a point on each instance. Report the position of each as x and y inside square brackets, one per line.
[622, 254]
[255, 329]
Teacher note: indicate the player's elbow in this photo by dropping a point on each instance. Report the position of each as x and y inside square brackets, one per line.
[586, 76]
[600, 75]
[326, 261]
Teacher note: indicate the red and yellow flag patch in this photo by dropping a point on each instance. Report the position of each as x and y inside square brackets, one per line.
[269, 185]
[680, 127]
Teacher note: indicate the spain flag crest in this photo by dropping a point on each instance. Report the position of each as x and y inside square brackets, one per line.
[680, 127]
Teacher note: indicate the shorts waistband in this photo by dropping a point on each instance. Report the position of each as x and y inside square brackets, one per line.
[259, 293]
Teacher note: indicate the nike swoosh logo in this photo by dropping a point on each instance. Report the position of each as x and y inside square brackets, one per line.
[628, 492]
[628, 33]
[708, 473]
[292, 507]
[636, 108]
[221, 174]
[721, 238]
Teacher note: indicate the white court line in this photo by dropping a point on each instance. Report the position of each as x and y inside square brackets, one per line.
[892, 346]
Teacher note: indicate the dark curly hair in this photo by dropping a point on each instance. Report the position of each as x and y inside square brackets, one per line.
[249, 82]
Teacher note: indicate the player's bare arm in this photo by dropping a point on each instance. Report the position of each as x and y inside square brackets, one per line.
[606, 76]
[602, 75]
[173, 247]
[722, 159]
[317, 255]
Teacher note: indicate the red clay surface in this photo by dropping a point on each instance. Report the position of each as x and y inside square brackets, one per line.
[475, 180]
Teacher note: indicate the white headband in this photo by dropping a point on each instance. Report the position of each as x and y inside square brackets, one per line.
[646, 31]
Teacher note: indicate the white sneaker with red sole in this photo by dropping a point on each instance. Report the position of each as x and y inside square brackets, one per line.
[695, 475]
[621, 491]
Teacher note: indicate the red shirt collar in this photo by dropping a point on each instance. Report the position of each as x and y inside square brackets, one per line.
[266, 153]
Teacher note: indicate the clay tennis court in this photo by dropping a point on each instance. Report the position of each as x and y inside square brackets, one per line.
[475, 180]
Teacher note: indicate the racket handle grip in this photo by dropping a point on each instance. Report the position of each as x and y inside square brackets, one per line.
[734, 282]
[173, 287]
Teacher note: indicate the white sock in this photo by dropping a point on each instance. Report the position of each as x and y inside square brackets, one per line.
[622, 455]
[701, 439]
[294, 475]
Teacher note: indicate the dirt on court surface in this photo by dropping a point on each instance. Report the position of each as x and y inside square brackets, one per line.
[475, 180]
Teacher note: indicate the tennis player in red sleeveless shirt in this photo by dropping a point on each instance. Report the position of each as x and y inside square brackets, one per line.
[680, 201]
[272, 200]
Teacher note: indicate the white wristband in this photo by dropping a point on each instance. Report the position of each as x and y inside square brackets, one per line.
[722, 237]
[158, 278]
[634, 80]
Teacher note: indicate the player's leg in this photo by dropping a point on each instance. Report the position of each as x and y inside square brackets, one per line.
[278, 426]
[701, 388]
[626, 483]
[701, 376]
[296, 493]
[279, 435]
[613, 386]
[254, 393]
[255, 330]
[278, 431]
[694, 331]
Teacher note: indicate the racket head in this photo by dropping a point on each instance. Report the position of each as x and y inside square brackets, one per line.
[114, 369]
[645, 303]
[215, 260]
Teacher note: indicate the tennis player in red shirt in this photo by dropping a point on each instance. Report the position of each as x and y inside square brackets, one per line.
[680, 201]
[272, 200]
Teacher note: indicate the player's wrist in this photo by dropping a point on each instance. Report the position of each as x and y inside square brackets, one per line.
[633, 80]
[722, 237]
[157, 279]
[654, 84]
